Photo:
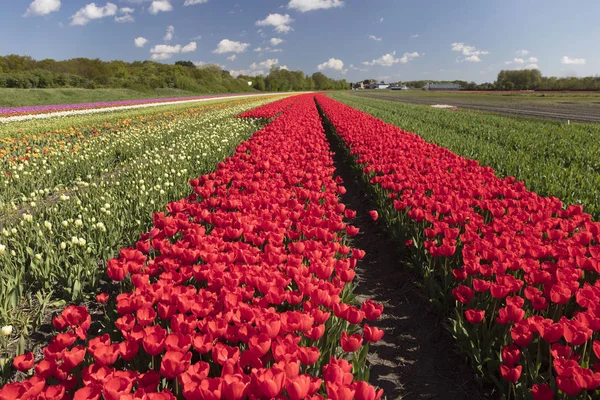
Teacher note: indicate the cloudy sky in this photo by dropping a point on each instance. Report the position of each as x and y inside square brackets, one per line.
[352, 39]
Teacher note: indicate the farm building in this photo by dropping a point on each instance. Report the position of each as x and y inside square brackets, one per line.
[399, 87]
[441, 86]
[382, 86]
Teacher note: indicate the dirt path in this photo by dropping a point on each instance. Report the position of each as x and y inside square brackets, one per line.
[416, 357]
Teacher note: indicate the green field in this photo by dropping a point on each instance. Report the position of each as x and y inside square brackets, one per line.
[36, 97]
[553, 158]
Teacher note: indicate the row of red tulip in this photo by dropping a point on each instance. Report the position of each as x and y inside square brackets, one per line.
[239, 291]
[521, 269]
[271, 109]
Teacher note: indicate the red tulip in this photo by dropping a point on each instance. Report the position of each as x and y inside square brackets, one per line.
[511, 354]
[154, 340]
[102, 298]
[298, 388]
[372, 310]
[511, 374]
[374, 215]
[474, 316]
[234, 387]
[24, 362]
[174, 363]
[364, 391]
[351, 343]
[372, 334]
[542, 392]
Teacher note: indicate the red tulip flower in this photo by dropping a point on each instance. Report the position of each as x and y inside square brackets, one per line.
[174, 363]
[351, 343]
[374, 215]
[24, 362]
[372, 334]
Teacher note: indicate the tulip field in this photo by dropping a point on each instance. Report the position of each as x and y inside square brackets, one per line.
[205, 252]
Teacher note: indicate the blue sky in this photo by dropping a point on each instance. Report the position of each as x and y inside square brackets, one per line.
[353, 39]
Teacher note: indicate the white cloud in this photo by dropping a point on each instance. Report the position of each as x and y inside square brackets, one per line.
[124, 18]
[165, 51]
[230, 46]
[160, 6]
[389, 59]
[140, 41]
[572, 61]
[470, 52]
[188, 48]
[473, 58]
[276, 41]
[284, 67]
[333, 63]
[197, 37]
[531, 66]
[416, 35]
[232, 57]
[42, 7]
[522, 52]
[267, 64]
[521, 61]
[169, 35]
[255, 69]
[380, 20]
[193, 2]
[267, 50]
[92, 11]
[281, 23]
[375, 38]
[309, 5]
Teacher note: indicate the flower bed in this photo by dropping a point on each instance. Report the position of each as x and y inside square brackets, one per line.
[241, 290]
[66, 212]
[519, 269]
[270, 110]
[14, 111]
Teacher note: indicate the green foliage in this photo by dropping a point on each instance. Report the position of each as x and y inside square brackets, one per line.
[526, 79]
[282, 80]
[552, 158]
[23, 72]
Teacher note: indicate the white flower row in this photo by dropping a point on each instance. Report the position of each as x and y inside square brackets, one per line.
[18, 118]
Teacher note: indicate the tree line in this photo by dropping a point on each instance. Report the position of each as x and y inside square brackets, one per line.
[25, 72]
[527, 79]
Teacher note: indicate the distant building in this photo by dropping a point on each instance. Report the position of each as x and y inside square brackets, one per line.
[382, 86]
[441, 86]
[399, 87]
